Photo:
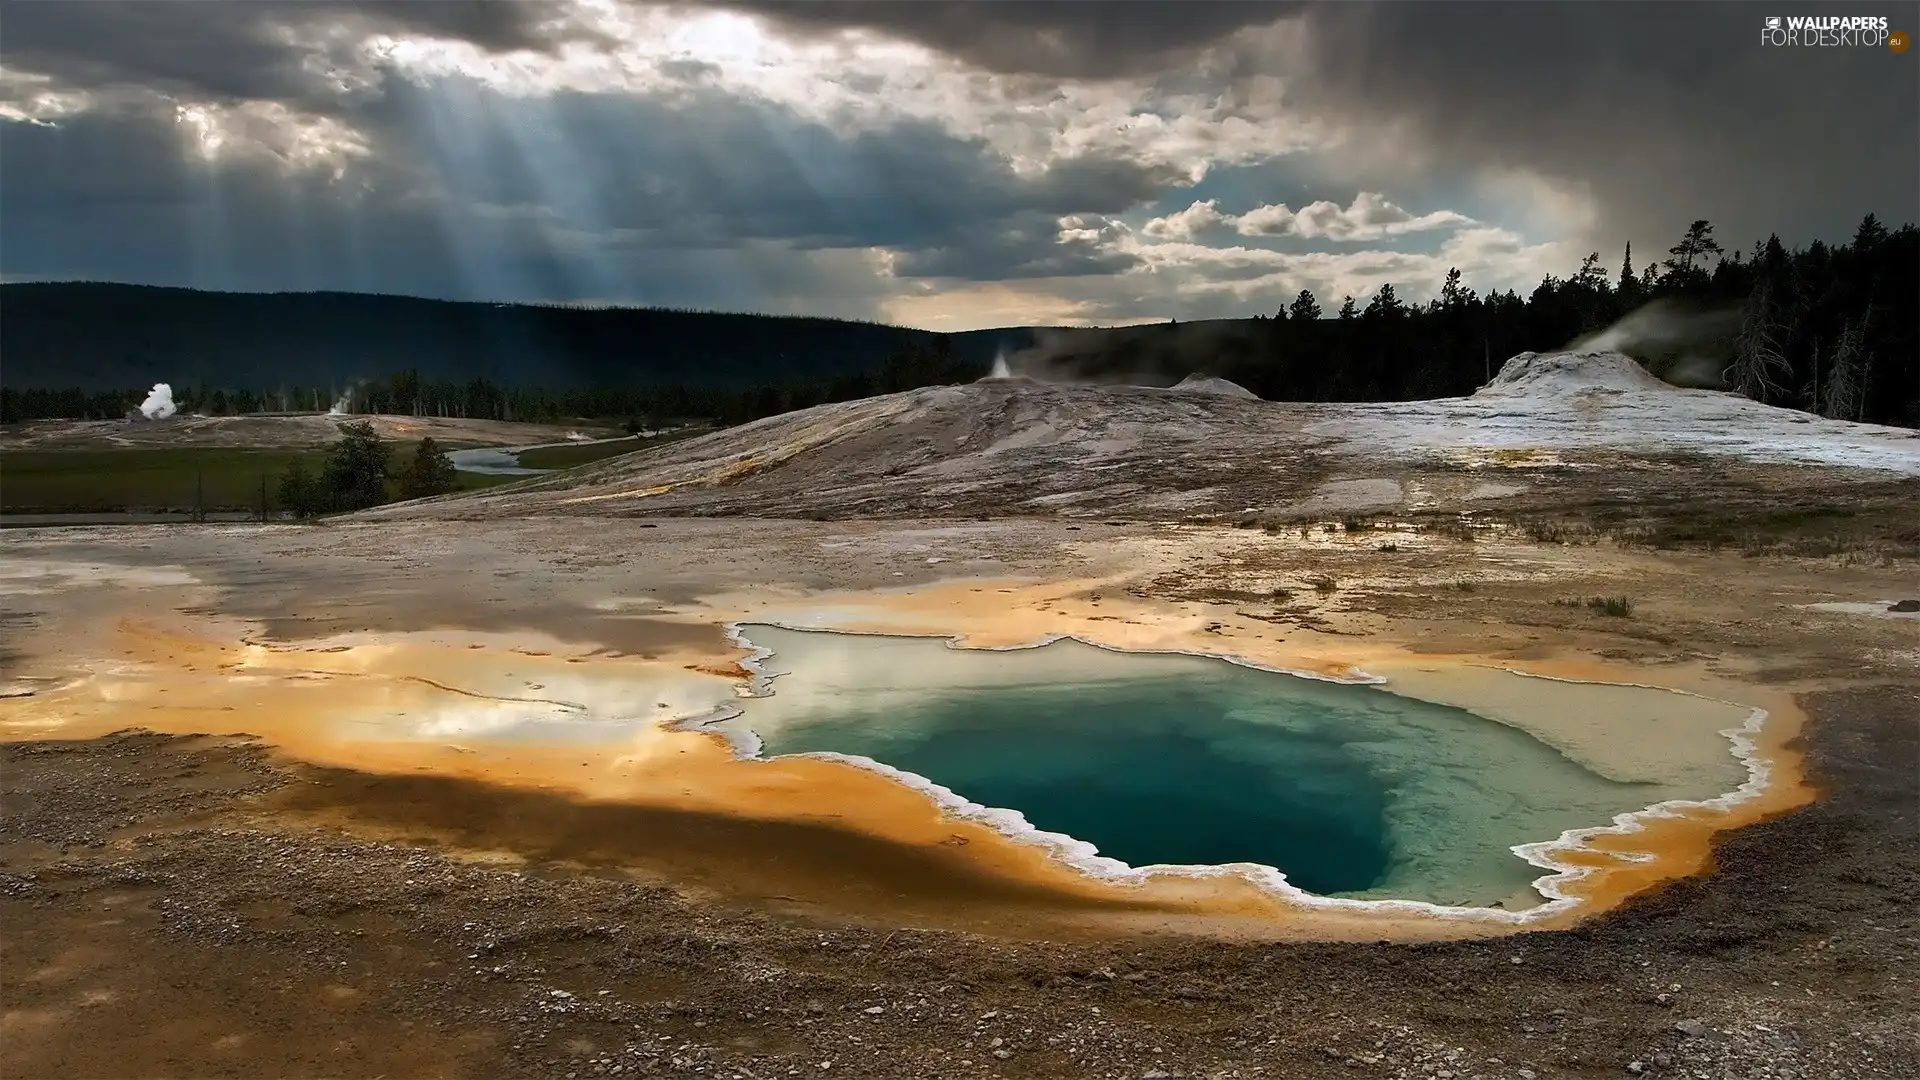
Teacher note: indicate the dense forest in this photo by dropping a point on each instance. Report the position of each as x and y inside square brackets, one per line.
[101, 336]
[1832, 329]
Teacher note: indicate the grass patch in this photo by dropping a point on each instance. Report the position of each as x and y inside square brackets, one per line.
[1451, 528]
[220, 478]
[1812, 530]
[476, 481]
[1557, 532]
[1618, 607]
[225, 478]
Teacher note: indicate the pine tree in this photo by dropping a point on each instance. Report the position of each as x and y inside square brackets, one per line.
[1385, 304]
[1694, 247]
[1627, 280]
[355, 476]
[1759, 365]
[1869, 235]
[1841, 398]
[430, 472]
[1304, 306]
[300, 492]
[1347, 310]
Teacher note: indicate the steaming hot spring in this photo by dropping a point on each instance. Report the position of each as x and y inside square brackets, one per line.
[1322, 790]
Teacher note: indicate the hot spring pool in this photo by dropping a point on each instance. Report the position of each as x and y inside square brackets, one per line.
[1350, 791]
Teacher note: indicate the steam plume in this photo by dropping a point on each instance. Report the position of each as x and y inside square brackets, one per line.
[159, 404]
[1681, 344]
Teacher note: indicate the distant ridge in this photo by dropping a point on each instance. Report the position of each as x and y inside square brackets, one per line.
[108, 336]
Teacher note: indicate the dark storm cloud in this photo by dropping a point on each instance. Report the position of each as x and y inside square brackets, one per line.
[710, 169]
[1664, 111]
[473, 194]
[1065, 40]
[108, 196]
[1668, 111]
[238, 51]
[1024, 246]
[1661, 113]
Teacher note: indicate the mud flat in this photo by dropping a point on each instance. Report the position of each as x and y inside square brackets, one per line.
[474, 784]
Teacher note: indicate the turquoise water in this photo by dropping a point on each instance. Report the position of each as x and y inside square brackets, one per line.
[1349, 790]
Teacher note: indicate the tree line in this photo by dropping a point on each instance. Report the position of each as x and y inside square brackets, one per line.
[407, 393]
[1830, 329]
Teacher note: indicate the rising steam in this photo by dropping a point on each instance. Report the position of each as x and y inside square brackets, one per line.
[159, 404]
[1150, 354]
[1684, 345]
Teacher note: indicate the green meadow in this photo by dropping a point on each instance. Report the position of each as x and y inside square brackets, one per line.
[212, 478]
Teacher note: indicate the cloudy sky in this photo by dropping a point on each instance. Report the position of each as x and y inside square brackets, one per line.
[945, 165]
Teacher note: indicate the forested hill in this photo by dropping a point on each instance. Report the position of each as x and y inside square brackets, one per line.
[100, 336]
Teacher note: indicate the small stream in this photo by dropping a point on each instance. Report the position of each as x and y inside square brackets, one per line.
[505, 460]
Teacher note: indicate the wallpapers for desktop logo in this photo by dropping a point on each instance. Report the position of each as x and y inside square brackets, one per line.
[1831, 31]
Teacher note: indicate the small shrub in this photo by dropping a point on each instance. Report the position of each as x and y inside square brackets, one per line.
[1357, 524]
[1463, 585]
[1557, 532]
[1389, 547]
[1452, 529]
[1324, 585]
[1617, 606]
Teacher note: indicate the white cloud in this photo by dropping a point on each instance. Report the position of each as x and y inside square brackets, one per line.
[294, 140]
[1369, 217]
[28, 98]
[1196, 220]
[857, 81]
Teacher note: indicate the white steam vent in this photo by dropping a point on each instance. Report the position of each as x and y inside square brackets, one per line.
[159, 404]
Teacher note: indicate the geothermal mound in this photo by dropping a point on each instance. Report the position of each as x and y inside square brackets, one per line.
[1208, 450]
[1000, 446]
[1197, 383]
[1559, 373]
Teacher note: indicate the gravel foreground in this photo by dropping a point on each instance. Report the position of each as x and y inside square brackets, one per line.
[165, 915]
